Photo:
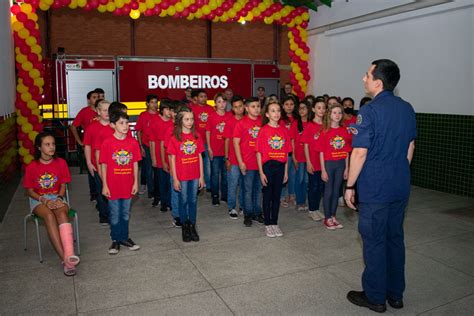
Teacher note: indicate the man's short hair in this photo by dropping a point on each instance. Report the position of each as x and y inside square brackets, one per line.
[348, 99]
[99, 91]
[261, 88]
[388, 72]
[151, 97]
[117, 115]
[236, 98]
[90, 93]
[251, 99]
[195, 93]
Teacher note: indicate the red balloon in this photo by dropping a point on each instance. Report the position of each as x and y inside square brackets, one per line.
[164, 5]
[25, 112]
[118, 11]
[226, 6]
[193, 8]
[219, 11]
[87, 7]
[22, 17]
[38, 127]
[199, 3]
[24, 49]
[104, 2]
[211, 15]
[157, 10]
[94, 3]
[33, 119]
[66, 2]
[134, 5]
[304, 24]
[185, 12]
[28, 81]
[126, 9]
[56, 4]
[172, 2]
[15, 9]
[248, 6]
[148, 12]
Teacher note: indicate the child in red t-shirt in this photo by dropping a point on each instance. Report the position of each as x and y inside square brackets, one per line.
[273, 146]
[185, 148]
[335, 146]
[119, 156]
[234, 176]
[215, 128]
[310, 137]
[45, 180]
[245, 138]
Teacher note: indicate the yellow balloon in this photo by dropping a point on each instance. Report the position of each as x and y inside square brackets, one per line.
[36, 112]
[299, 76]
[33, 16]
[304, 57]
[171, 11]
[32, 135]
[102, 8]
[213, 4]
[26, 7]
[21, 120]
[285, 11]
[268, 20]
[23, 151]
[198, 14]
[150, 4]
[142, 7]
[21, 88]
[190, 17]
[110, 7]
[31, 41]
[73, 4]
[231, 13]
[39, 82]
[43, 6]
[277, 16]
[28, 159]
[255, 12]
[268, 2]
[186, 3]
[237, 7]
[206, 9]
[23, 33]
[34, 73]
[49, 2]
[134, 14]
[293, 46]
[305, 16]
[26, 96]
[26, 128]
[249, 17]
[16, 26]
[36, 49]
[224, 17]
[119, 3]
[298, 20]
[20, 58]
[179, 7]
[32, 104]
[81, 3]
[299, 52]
[262, 6]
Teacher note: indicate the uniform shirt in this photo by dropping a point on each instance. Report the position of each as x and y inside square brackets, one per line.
[85, 117]
[295, 134]
[385, 126]
[186, 152]
[167, 136]
[273, 143]
[91, 137]
[310, 136]
[247, 130]
[46, 178]
[335, 143]
[119, 155]
[143, 126]
[216, 125]
[228, 132]
[201, 116]
[158, 128]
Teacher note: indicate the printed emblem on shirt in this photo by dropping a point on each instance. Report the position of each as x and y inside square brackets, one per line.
[316, 136]
[288, 125]
[359, 119]
[122, 157]
[47, 180]
[353, 130]
[254, 131]
[276, 142]
[203, 116]
[337, 142]
[188, 147]
[220, 127]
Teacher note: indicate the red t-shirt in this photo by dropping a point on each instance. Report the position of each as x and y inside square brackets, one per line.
[143, 125]
[335, 143]
[85, 117]
[119, 155]
[216, 124]
[247, 130]
[187, 153]
[311, 134]
[273, 143]
[46, 178]
[228, 132]
[167, 136]
[283, 123]
[350, 121]
[158, 128]
[298, 150]
[201, 116]
[92, 135]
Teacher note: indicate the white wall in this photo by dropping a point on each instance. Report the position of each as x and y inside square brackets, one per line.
[7, 66]
[433, 47]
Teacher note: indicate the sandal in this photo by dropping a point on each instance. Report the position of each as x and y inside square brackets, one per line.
[69, 271]
[73, 260]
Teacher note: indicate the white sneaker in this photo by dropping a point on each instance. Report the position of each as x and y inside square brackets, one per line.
[314, 216]
[341, 201]
[301, 208]
[320, 214]
[142, 189]
[269, 231]
[277, 231]
[233, 214]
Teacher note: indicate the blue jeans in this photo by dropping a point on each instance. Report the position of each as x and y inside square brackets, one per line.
[174, 200]
[315, 189]
[335, 170]
[164, 185]
[301, 183]
[147, 171]
[381, 229]
[207, 167]
[253, 188]
[101, 200]
[234, 180]
[218, 170]
[119, 217]
[289, 188]
[188, 201]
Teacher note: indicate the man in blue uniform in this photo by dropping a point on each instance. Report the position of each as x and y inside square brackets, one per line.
[383, 142]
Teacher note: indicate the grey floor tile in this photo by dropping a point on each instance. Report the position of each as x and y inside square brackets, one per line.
[462, 307]
[204, 303]
[124, 280]
[246, 260]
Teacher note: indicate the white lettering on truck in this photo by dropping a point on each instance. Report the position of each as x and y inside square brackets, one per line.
[184, 81]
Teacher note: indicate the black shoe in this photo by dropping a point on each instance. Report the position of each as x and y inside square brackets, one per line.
[358, 298]
[194, 234]
[208, 190]
[186, 233]
[248, 220]
[151, 195]
[177, 222]
[93, 198]
[258, 218]
[155, 202]
[104, 221]
[395, 303]
[114, 248]
[130, 244]
[164, 209]
[215, 201]
[224, 199]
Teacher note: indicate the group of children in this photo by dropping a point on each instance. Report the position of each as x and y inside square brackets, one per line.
[184, 148]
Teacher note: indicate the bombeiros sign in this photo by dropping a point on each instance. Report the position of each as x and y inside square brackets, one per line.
[185, 81]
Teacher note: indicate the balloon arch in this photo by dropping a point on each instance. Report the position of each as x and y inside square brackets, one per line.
[28, 56]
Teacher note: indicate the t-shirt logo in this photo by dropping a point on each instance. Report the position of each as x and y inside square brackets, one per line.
[188, 147]
[220, 127]
[122, 157]
[254, 131]
[276, 142]
[359, 119]
[203, 116]
[47, 180]
[337, 142]
[353, 130]
[316, 136]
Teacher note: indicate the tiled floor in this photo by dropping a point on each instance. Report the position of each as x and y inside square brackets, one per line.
[233, 269]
